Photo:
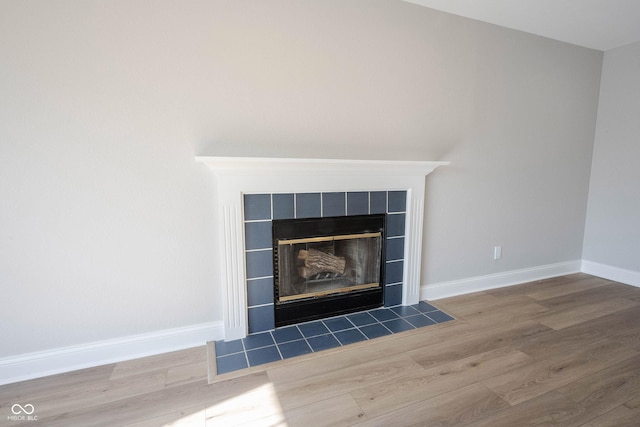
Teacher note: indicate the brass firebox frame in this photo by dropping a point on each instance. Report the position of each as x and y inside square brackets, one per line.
[287, 242]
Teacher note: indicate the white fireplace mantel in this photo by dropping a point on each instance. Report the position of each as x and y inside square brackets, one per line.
[237, 176]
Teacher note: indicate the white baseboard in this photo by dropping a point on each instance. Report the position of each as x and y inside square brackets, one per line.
[492, 281]
[617, 274]
[56, 361]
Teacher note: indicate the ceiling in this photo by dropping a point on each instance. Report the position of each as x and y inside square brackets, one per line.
[597, 24]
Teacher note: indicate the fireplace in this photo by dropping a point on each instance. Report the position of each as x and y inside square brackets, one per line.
[304, 184]
[327, 266]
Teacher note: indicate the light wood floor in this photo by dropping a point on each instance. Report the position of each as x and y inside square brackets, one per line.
[563, 351]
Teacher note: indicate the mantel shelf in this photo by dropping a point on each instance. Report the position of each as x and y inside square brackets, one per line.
[293, 166]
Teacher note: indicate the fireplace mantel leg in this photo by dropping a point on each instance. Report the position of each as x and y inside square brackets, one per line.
[232, 271]
[413, 247]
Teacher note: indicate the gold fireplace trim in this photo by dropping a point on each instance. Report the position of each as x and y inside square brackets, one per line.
[329, 238]
[329, 292]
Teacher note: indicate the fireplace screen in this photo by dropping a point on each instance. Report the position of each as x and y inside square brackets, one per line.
[321, 266]
[327, 266]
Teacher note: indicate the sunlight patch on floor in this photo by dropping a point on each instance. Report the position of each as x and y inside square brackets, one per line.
[261, 404]
[258, 406]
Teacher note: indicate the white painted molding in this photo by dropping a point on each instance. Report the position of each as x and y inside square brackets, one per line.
[232, 270]
[413, 245]
[237, 176]
[499, 280]
[238, 166]
[56, 361]
[617, 274]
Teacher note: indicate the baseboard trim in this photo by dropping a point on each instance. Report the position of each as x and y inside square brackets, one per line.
[617, 274]
[56, 361]
[499, 280]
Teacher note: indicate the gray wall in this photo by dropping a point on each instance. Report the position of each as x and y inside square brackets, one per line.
[612, 235]
[105, 224]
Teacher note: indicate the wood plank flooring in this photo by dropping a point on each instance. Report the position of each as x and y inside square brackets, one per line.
[563, 351]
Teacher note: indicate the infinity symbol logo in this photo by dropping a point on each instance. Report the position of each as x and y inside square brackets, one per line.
[17, 409]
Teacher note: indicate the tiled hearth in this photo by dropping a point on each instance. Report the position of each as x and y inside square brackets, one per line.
[296, 340]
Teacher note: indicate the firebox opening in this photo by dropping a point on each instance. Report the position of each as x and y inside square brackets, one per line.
[327, 266]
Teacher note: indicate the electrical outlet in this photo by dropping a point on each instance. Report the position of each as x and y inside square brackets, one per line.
[497, 253]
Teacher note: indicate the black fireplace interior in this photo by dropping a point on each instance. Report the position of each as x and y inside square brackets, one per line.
[327, 266]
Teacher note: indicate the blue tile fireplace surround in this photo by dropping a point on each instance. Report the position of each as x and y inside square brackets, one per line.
[261, 209]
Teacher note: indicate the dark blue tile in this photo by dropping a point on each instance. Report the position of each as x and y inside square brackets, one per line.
[405, 310]
[419, 321]
[383, 314]
[259, 264]
[308, 205]
[289, 333]
[439, 316]
[260, 291]
[398, 325]
[263, 355]
[253, 341]
[392, 295]
[424, 307]
[231, 363]
[323, 342]
[337, 324]
[257, 235]
[294, 348]
[378, 202]
[361, 319]
[261, 318]
[313, 328]
[349, 336]
[228, 347]
[374, 331]
[393, 272]
[395, 249]
[358, 203]
[397, 201]
[395, 224]
[333, 204]
[283, 206]
[257, 206]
